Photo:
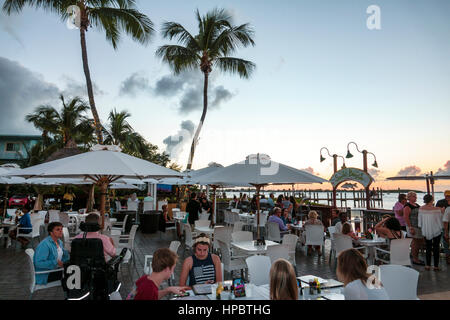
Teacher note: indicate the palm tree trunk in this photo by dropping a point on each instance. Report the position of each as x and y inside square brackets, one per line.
[98, 130]
[202, 119]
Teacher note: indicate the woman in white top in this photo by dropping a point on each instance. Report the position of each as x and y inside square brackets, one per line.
[352, 271]
[430, 221]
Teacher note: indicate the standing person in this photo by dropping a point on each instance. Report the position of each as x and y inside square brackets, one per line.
[295, 206]
[445, 221]
[430, 222]
[444, 204]
[193, 208]
[253, 205]
[163, 264]
[287, 204]
[50, 255]
[202, 266]
[24, 221]
[411, 215]
[398, 210]
[352, 271]
[271, 200]
[283, 281]
[342, 220]
[279, 202]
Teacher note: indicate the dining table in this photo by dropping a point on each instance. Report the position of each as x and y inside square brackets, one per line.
[250, 247]
[370, 244]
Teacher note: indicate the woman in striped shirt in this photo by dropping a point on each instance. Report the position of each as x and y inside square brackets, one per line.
[202, 266]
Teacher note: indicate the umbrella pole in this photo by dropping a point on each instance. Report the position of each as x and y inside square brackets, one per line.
[213, 213]
[103, 191]
[6, 201]
[258, 208]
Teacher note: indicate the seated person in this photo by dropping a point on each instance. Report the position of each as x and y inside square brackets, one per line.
[108, 243]
[347, 230]
[163, 264]
[283, 281]
[343, 219]
[165, 212]
[50, 254]
[24, 221]
[285, 216]
[389, 228]
[312, 220]
[352, 271]
[276, 217]
[202, 266]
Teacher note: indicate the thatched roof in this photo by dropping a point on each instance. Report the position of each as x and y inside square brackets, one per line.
[69, 150]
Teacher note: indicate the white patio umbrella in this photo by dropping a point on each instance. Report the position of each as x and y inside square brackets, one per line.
[102, 165]
[259, 170]
[122, 186]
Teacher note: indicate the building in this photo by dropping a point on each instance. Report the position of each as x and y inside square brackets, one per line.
[14, 148]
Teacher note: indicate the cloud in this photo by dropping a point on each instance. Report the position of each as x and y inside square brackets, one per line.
[74, 88]
[175, 143]
[21, 91]
[9, 24]
[310, 170]
[375, 173]
[409, 171]
[445, 170]
[186, 88]
[133, 84]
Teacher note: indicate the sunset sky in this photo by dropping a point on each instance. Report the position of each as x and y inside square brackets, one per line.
[323, 79]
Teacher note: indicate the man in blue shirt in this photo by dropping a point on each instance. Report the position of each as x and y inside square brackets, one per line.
[270, 200]
[276, 217]
[24, 225]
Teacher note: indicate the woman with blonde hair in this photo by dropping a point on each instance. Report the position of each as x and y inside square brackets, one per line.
[283, 282]
[411, 215]
[352, 271]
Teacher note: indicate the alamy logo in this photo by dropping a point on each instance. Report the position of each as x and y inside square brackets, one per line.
[74, 20]
[74, 280]
[374, 20]
[268, 167]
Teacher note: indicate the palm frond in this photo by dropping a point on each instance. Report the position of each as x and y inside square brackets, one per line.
[55, 6]
[230, 38]
[115, 20]
[172, 29]
[178, 57]
[238, 66]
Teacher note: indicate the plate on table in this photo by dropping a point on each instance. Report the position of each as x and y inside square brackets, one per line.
[308, 278]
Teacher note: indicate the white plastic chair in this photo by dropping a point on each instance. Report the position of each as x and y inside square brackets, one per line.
[222, 234]
[226, 217]
[238, 226]
[258, 269]
[35, 230]
[332, 231]
[277, 252]
[188, 239]
[203, 216]
[42, 215]
[400, 282]
[273, 230]
[202, 223]
[290, 242]
[314, 236]
[230, 263]
[118, 206]
[398, 254]
[64, 218]
[120, 225]
[33, 286]
[53, 216]
[240, 236]
[11, 213]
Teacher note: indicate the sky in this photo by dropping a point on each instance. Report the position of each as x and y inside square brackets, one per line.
[322, 79]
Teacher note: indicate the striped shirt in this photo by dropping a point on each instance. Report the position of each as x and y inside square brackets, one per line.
[202, 270]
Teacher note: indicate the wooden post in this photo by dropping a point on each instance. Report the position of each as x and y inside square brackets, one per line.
[257, 209]
[103, 182]
[213, 213]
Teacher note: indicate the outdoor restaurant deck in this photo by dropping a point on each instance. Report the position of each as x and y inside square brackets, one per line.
[14, 273]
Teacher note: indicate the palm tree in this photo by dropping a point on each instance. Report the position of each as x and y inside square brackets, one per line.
[44, 118]
[68, 125]
[111, 16]
[217, 38]
[119, 132]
